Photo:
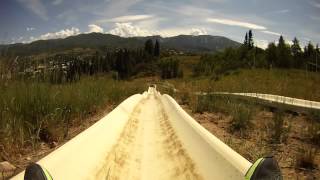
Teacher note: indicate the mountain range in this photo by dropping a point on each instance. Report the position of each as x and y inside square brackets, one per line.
[185, 43]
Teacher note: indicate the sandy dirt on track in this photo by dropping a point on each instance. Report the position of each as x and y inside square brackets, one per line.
[148, 148]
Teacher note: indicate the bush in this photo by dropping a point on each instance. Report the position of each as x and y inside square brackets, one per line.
[202, 104]
[208, 103]
[31, 112]
[170, 68]
[279, 131]
[313, 133]
[305, 158]
[185, 98]
[114, 75]
[241, 116]
[314, 115]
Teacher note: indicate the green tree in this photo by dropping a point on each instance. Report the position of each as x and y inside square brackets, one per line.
[170, 68]
[309, 51]
[271, 54]
[295, 48]
[157, 49]
[245, 43]
[175, 68]
[296, 53]
[317, 57]
[284, 54]
[250, 40]
[148, 47]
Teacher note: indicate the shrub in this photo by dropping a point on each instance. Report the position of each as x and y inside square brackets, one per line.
[31, 111]
[279, 131]
[115, 75]
[313, 133]
[202, 104]
[170, 68]
[241, 116]
[314, 115]
[208, 103]
[305, 158]
[185, 98]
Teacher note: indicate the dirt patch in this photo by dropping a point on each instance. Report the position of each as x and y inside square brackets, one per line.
[257, 142]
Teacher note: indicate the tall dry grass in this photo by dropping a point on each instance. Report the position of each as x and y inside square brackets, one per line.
[30, 110]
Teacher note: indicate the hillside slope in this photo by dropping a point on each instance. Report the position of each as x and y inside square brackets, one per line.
[186, 43]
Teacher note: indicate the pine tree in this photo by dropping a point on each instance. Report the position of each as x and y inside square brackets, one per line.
[309, 53]
[250, 41]
[245, 43]
[284, 54]
[149, 46]
[157, 49]
[271, 54]
[295, 48]
[317, 57]
[296, 53]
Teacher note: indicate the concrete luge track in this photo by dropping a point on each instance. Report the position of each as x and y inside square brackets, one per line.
[271, 99]
[147, 136]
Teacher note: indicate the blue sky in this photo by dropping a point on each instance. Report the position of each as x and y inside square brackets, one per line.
[29, 20]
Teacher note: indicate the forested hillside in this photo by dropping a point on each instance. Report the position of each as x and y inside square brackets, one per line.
[99, 41]
[276, 55]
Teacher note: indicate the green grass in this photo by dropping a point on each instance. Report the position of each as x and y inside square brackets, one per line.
[286, 82]
[28, 108]
[292, 83]
[241, 112]
[278, 130]
[241, 117]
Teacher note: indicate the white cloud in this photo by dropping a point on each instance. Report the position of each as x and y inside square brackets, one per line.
[152, 23]
[271, 32]
[198, 31]
[32, 38]
[169, 32]
[262, 43]
[57, 2]
[283, 11]
[59, 34]
[55, 35]
[315, 4]
[114, 7]
[129, 30]
[289, 42]
[30, 28]
[230, 22]
[123, 19]
[189, 10]
[14, 40]
[315, 18]
[37, 7]
[95, 28]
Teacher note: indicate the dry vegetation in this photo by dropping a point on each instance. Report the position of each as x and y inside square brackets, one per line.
[35, 118]
[286, 82]
[252, 129]
[257, 131]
